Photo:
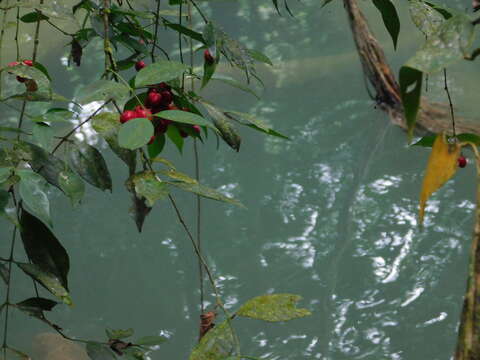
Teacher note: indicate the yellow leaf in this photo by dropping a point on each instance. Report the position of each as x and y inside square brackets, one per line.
[442, 165]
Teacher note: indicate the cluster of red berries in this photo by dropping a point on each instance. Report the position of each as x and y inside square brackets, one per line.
[159, 98]
[24, 62]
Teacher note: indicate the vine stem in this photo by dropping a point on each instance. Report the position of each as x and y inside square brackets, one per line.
[452, 113]
[152, 53]
[2, 34]
[70, 133]
[199, 11]
[107, 49]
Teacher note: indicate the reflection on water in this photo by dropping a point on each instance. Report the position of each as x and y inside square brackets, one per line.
[331, 216]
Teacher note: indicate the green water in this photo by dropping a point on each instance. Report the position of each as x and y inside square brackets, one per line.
[331, 214]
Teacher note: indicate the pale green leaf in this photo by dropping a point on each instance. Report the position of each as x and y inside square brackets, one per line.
[274, 307]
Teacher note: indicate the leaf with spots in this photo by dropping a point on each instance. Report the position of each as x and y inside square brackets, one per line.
[274, 307]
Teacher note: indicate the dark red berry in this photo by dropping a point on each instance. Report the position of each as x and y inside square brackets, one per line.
[152, 139]
[462, 161]
[143, 113]
[164, 86]
[209, 59]
[13, 63]
[196, 128]
[154, 99]
[173, 107]
[139, 65]
[28, 62]
[183, 134]
[161, 127]
[127, 115]
[167, 97]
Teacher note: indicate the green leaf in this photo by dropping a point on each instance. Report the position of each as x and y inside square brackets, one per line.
[97, 351]
[33, 17]
[225, 126]
[103, 90]
[274, 307]
[118, 334]
[4, 272]
[158, 72]
[184, 31]
[36, 306]
[149, 186]
[390, 18]
[176, 175]
[259, 56]
[33, 190]
[135, 133]
[151, 340]
[184, 117]
[43, 133]
[107, 125]
[72, 185]
[426, 141]
[410, 91]
[174, 135]
[326, 2]
[157, 146]
[48, 280]
[5, 173]
[448, 44]
[425, 18]
[55, 115]
[43, 248]
[205, 191]
[31, 72]
[217, 344]
[234, 83]
[139, 211]
[89, 163]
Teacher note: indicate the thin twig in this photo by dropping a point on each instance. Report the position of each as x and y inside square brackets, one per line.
[155, 37]
[452, 113]
[199, 11]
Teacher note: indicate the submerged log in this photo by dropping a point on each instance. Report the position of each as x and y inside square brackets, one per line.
[432, 117]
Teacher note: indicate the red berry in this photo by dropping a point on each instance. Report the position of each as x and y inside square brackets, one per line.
[28, 62]
[152, 139]
[139, 65]
[161, 127]
[209, 59]
[143, 113]
[154, 99]
[127, 115]
[13, 63]
[196, 128]
[167, 97]
[164, 86]
[183, 134]
[462, 161]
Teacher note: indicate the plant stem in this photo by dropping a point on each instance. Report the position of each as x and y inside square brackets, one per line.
[152, 53]
[452, 113]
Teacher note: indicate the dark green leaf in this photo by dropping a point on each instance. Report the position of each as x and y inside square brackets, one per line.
[146, 184]
[234, 83]
[107, 125]
[410, 91]
[274, 307]
[139, 211]
[135, 133]
[97, 351]
[151, 340]
[225, 126]
[174, 135]
[390, 18]
[158, 72]
[33, 190]
[89, 163]
[36, 306]
[4, 272]
[447, 14]
[119, 333]
[43, 248]
[184, 30]
[259, 56]
[48, 280]
[103, 90]
[33, 17]
[205, 191]
[184, 117]
[426, 141]
[157, 146]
